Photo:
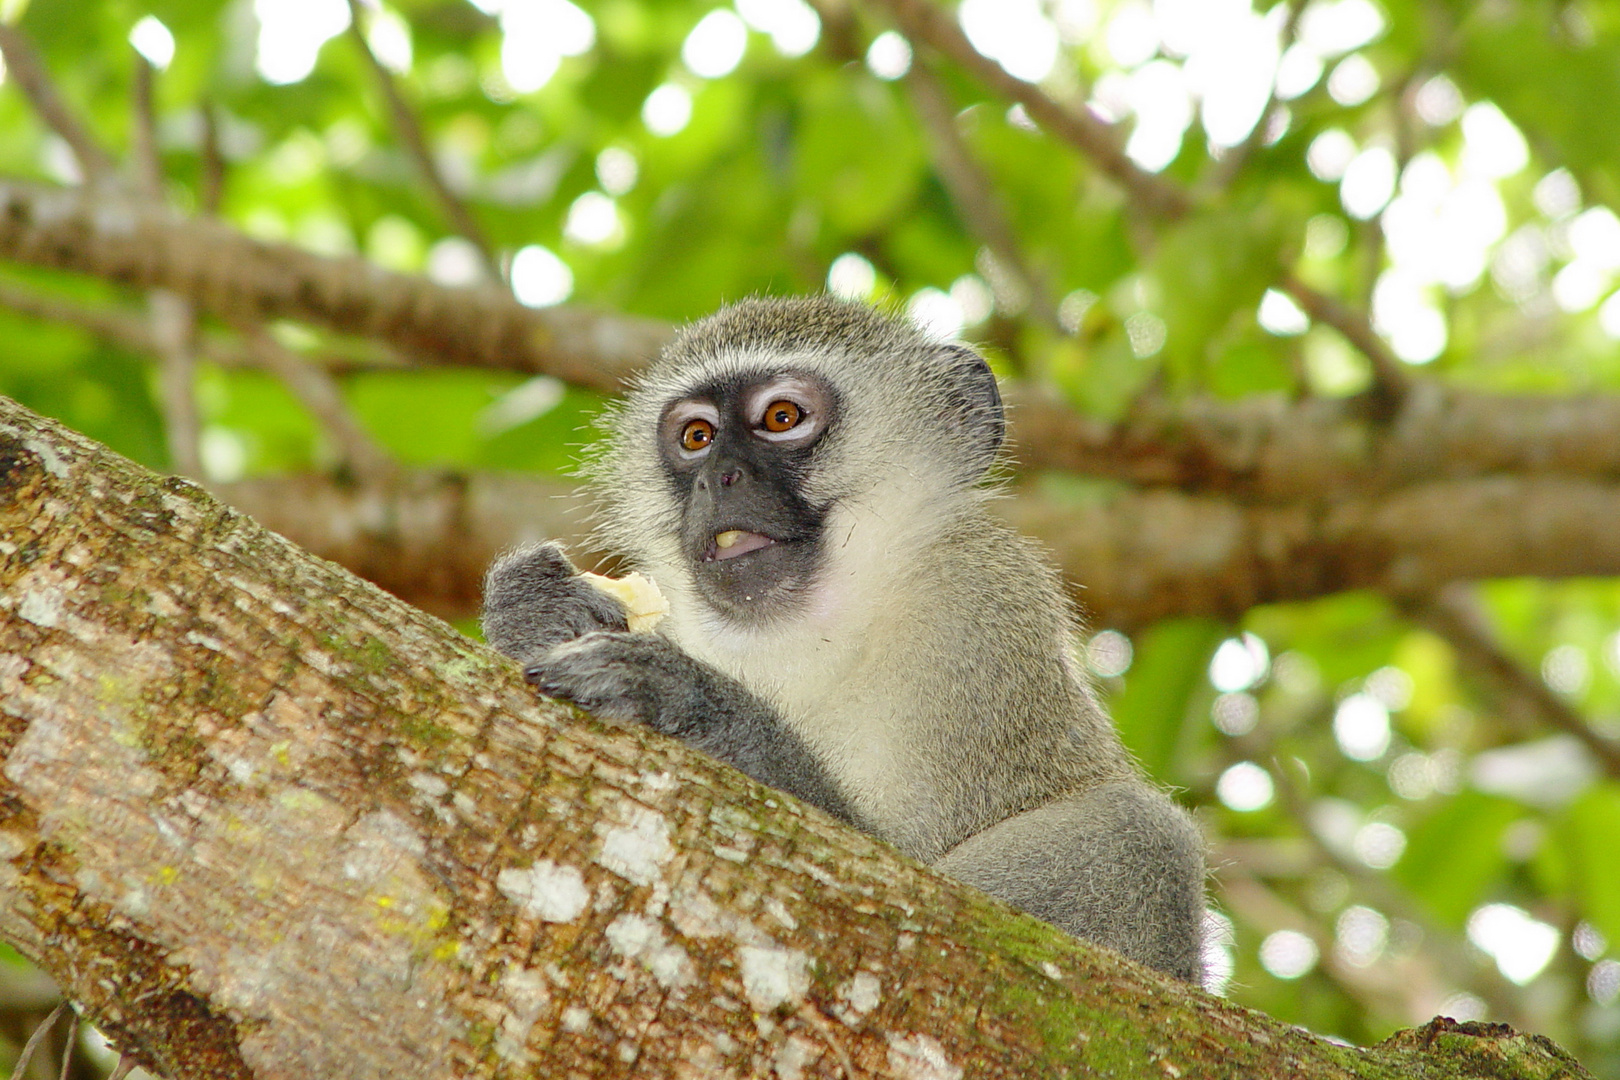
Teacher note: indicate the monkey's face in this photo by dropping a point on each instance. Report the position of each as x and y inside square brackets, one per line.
[737, 452]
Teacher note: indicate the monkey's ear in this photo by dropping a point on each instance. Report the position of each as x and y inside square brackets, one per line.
[975, 407]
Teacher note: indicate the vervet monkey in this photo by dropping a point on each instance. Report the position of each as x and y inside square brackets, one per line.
[803, 480]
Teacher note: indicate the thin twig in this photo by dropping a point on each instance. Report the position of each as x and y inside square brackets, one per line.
[931, 24]
[1454, 965]
[1232, 165]
[970, 189]
[173, 319]
[213, 163]
[148, 163]
[34, 1040]
[1406, 988]
[1457, 616]
[409, 129]
[132, 332]
[318, 392]
[174, 330]
[121, 327]
[68, 1045]
[25, 67]
[1390, 380]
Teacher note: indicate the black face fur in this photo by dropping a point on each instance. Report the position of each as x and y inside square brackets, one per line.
[736, 452]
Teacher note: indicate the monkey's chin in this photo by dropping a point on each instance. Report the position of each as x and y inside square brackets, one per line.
[760, 584]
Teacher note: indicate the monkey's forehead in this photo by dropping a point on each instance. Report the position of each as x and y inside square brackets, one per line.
[762, 336]
[778, 326]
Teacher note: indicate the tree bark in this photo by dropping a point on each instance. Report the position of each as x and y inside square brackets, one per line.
[1264, 449]
[241, 280]
[1136, 555]
[261, 819]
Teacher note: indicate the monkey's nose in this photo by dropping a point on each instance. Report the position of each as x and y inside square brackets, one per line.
[730, 476]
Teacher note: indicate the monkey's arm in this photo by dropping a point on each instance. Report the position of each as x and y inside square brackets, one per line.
[535, 598]
[1120, 865]
[542, 613]
[644, 678]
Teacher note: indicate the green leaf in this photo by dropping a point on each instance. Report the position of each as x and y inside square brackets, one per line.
[1586, 841]
[1549, 79]
[1166, 676]
[1454, 856]
[1206, 272]
[857, 155]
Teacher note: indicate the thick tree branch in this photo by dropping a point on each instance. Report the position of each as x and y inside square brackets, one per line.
[426, 537]
[1261, 449]
[1137, 556]
[1267, 448]
[264, 821]
[1146, 555]
[241, 280]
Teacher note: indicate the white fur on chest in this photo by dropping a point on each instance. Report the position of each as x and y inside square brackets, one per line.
[840, 669]
[828, 685]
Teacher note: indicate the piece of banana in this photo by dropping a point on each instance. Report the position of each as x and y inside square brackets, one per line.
[645, 607]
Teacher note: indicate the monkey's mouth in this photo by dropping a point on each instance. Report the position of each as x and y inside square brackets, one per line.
[734, 542]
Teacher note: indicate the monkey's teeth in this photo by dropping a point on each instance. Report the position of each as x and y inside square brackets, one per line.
[734, 542]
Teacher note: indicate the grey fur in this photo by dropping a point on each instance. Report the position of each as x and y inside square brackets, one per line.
[647, 679]
[923, 686]
[534, 598]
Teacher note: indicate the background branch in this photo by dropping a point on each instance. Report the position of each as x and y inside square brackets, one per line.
[24, 66]
[1164, 199]
[1142, 555]
[1259, 449]
[1390, 379]
[1268, 448]
[1456, 615]
[977, 204]
[318, 391]
[409, 130]
[932, 25]
[1231, 166]
[237, 279]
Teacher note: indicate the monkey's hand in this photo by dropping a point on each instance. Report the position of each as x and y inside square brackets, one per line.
[647, 679]
[534, 598]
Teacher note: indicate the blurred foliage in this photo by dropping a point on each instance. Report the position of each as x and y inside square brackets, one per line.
[1386, 862]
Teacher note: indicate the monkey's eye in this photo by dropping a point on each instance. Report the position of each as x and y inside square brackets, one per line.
[782, 415]
[696, 435]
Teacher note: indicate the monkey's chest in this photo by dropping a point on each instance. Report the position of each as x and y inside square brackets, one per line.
[868, 750]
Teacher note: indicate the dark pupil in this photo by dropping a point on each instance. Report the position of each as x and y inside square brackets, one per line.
[783, 416]
[697, 435]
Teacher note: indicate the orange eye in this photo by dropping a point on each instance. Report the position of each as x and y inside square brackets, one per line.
[782, 415]
[697, 435]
